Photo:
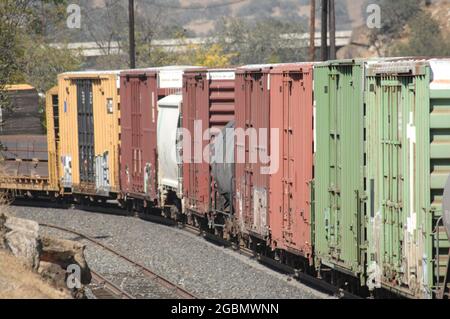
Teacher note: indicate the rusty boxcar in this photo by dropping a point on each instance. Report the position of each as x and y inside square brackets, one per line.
[208, 103]
[89, 112]
[273, 182]
[140, 91]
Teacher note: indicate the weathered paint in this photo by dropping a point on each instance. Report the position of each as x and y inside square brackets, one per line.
[105, 123]
[139, 98]
[208, 98]
[291, 112]
[339, 166]
[25, 163]
[408, 129]
[52, 121]
[253, 114]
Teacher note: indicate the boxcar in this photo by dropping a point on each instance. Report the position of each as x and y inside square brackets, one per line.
[140, 91]
[208, 103]
[273, 182]
[339, 190]
[408, 163]
[89, 112]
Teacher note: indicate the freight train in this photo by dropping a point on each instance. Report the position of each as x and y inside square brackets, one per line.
[335, 169]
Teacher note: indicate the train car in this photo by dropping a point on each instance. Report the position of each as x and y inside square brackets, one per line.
[340, 179]
[89, 128]
[208, 104]
[408, 164]
[140, 91]
[28, 160]
[274, 163]
[24, 116]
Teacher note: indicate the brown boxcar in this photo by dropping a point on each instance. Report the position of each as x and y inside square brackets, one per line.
[208, 99]
[140, 91]
[273, 184]
[138, 98]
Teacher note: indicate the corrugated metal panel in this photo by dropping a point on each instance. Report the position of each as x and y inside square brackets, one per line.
[138, 121]
[195, 170]
[291, 112]
[105, 123]
[86, 145]
[252, 187]
[339, 166]
[407, 174]
[52, 120]
[208, 97]
[24, 116]
[25, 163]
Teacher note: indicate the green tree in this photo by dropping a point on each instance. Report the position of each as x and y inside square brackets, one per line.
[266, 41]
[424, 38]
[395, 16]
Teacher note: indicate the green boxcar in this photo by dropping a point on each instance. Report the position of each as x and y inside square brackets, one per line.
[408, 162]
[339, 166]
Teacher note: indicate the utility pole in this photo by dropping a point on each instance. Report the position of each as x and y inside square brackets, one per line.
[131, 38]
[312, 32]
[332, 30]
[324, 30]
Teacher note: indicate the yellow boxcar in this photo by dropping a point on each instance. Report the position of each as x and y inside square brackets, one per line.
[52, 121]
[89, 132]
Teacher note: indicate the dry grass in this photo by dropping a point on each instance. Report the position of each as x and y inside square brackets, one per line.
[17, 282]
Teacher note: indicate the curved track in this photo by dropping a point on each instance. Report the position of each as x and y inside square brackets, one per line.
[110, 287]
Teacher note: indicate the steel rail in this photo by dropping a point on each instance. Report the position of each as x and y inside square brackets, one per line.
[112, 289]
[179, 291]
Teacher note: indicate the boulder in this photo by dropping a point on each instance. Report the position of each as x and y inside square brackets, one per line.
[22, 239]
[65, 253]
[58, 261]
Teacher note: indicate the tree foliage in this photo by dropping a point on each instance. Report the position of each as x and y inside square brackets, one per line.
[265, 41]
[425, 38]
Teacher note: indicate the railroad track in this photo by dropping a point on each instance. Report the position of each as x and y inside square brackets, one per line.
[309, 280]
[106, 289]
[109, 289]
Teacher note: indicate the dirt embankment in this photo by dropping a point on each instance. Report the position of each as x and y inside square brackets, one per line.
[19, 282]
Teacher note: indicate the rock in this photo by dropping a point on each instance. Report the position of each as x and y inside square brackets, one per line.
[22, 239]
[53, 273]
[57, 261]
[65, 253]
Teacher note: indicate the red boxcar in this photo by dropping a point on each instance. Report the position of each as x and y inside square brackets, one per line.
[208, 100]
[140, 91]
[273, 185]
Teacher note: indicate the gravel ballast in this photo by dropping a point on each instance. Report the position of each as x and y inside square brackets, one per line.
[205, 269]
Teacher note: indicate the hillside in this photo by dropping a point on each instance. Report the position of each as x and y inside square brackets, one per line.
[199, 17]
